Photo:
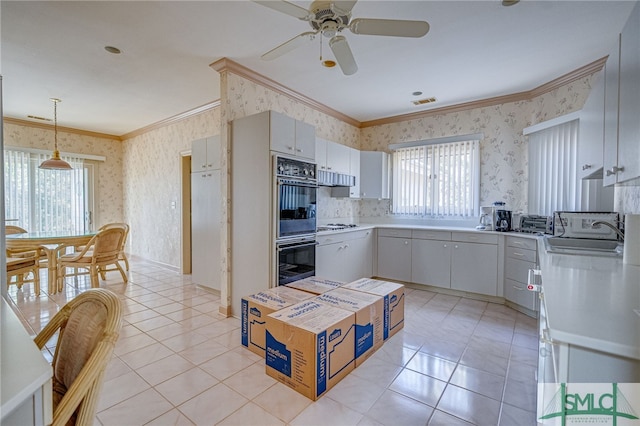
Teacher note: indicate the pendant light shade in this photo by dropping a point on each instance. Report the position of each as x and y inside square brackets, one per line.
[55, 162]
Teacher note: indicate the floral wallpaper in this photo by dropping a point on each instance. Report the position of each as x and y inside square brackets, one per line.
[153, 183]
[110, 206]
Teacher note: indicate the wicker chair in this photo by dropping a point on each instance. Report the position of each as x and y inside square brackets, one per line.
[101, 251]
[89, 326]
[122, 255]
[23, 265]
[12, 229]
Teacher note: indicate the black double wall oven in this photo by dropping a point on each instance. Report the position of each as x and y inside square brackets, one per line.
[295, 193]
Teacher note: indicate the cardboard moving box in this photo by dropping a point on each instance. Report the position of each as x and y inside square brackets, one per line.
[316, 285]
[255, 309]
[369, 310]
[393, 295]
[310, 346]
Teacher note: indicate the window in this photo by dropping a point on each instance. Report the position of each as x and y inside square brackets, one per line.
[553, 182]
[46, 200]
[437, 179]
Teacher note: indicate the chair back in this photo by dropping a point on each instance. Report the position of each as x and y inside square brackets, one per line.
[12, 229]
[107, 244]
[122, 225]
[89, 326]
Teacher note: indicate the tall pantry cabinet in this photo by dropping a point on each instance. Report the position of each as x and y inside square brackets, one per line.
[205, 212]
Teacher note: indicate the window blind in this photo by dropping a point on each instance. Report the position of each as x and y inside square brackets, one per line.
[44, 200]
[437, 180]
[553, 182]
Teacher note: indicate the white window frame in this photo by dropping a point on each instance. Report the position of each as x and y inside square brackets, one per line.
[427, 185]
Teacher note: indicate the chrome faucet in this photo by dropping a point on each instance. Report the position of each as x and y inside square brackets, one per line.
[615, 228]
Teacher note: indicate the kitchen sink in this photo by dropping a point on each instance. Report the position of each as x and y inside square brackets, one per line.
[583, 246]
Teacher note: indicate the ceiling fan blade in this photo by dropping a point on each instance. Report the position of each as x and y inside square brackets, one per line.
[344, 57]
[389, 27]
[344, 6]
[290, 45]
[286, 8]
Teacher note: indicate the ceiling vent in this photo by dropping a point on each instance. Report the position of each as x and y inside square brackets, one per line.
[424, 101]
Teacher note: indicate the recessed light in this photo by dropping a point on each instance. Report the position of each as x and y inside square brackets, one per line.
[112, 49]
[417, 93]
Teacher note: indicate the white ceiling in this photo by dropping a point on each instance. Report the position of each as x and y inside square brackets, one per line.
[474, 50]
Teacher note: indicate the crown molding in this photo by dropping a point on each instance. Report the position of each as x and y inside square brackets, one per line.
[171, 120]
[226, 64]
[482, 103]
[38, 125]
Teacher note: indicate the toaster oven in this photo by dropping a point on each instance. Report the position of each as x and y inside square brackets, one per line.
[535, 224]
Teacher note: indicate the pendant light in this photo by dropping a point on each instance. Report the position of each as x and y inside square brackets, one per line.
[55, 162]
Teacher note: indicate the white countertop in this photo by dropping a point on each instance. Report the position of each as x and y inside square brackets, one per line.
[24, 369]
[592, 302]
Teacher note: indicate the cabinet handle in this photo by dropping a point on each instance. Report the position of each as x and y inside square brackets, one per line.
[328, 168]
[614, 170]
[444, 245]
[518, 288]
[406, 242]
[299, 150]
[203, 166]
[515, 253]
[290, 148]
[346, 246]
[209, 165]
[586, 166]
[455, 246]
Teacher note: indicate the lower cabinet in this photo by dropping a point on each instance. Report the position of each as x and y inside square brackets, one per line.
[431, 258]
[345, 256]
[520, 256]
[394, 254]
[474, 268]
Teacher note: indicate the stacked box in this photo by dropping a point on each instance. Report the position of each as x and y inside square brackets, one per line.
[369, 311]
[255, 309]
[393, 296]
[316, 285]
[310, 346]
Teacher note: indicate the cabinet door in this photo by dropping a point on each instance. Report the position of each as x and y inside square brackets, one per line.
[431, 262]
[337, 158]
[354, 170]
[394, 258]
[205, 228]
[282, 133]
[362, 256]
[321, 154]
[629, 112]
[305, 140]
[474, 268]
[326, 257]
[591, 140]
[612, 78]
[374, 174]
[213, 152]
[198, 155]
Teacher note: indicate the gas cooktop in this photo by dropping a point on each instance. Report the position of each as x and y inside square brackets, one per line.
[336, 226]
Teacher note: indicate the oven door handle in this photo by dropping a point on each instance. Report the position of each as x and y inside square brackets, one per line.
[296, 182]
[284, 246]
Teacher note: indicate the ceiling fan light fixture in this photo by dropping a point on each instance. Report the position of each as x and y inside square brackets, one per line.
[329, 63]
[55, 162]
[508, 3]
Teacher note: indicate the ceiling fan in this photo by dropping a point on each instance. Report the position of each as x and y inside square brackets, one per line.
[329, 18]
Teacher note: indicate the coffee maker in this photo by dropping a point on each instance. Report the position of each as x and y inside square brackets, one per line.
[487, 218]
[503, 220]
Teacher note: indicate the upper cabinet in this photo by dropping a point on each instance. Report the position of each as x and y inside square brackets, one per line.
[591, 140]
[205, 154]
[629, 112]
[332, 157]
[292, 137]
[352, 191]
[622, 106]
[374, 174]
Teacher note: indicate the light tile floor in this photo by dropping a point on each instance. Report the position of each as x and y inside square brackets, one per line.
[457, 361]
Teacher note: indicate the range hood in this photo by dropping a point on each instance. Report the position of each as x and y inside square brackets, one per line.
[335, 179]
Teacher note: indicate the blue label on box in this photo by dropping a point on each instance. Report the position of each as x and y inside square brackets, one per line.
[364, 338]
[321, 363]
[385, 328]
[277, 356]
[245, 323]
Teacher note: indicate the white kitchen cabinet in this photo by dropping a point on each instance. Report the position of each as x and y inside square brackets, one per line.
[591, 136]
[520, 256]
[354, 170]
[205, 213]
[431, 262]
[374, 174]
[622, 105]
[290, 136]
[345, 256]
[394, 254]
[205, 154]
[332, 156]
[610, 151]
[629, 110]
[474, 268]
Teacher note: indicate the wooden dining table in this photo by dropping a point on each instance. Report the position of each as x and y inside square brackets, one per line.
[49, 242]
